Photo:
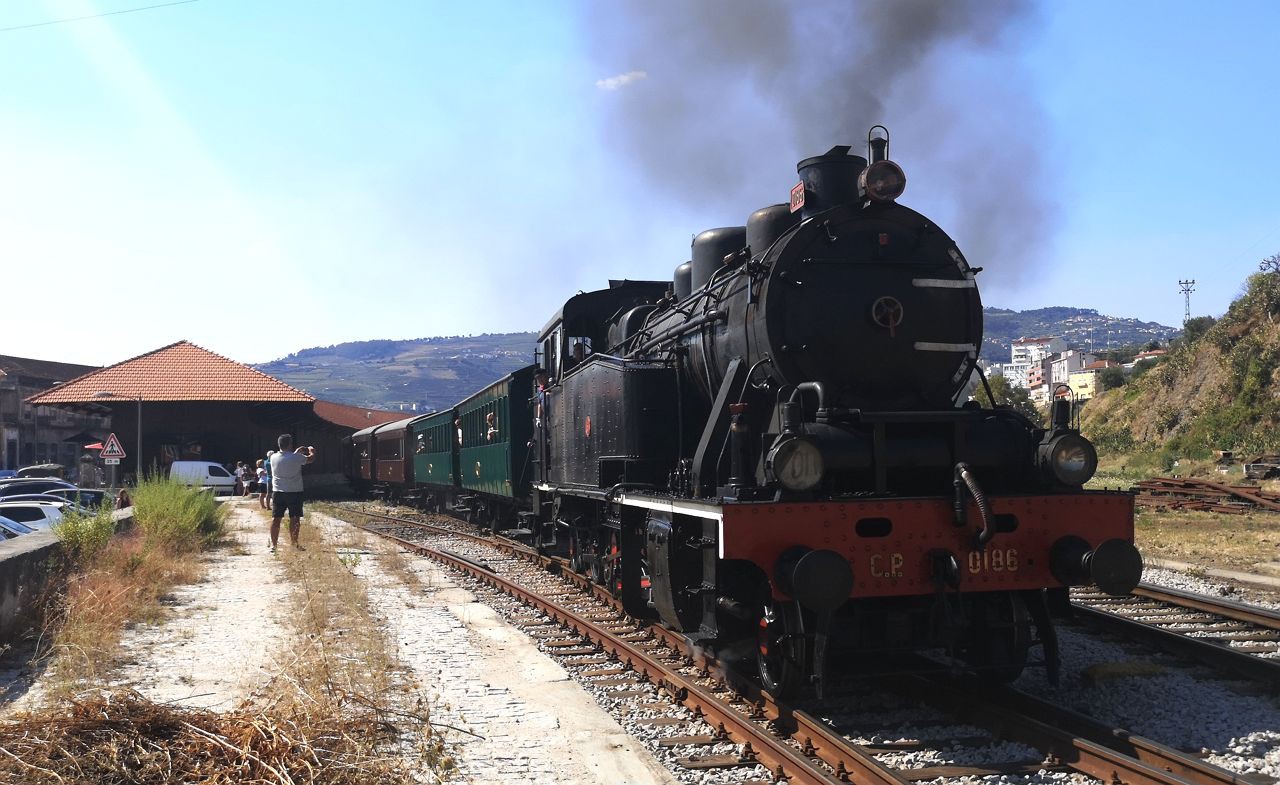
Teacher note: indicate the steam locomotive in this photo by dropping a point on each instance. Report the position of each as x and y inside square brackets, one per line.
[778, 446]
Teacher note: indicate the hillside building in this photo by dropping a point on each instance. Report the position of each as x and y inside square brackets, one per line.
[1027, 353]
[1084, 383]
[43, 434]
[1140, 356]
[1066, 363]
[1033, 350]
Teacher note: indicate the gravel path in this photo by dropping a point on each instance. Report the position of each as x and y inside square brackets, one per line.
[219, 636]
[525, 720]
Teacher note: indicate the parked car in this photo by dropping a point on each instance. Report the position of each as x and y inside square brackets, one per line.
[91, 498]
[10, 528]
[42, 470]
[6, 473]
[32, 485]
[205, 474]
[37, 515]
[49, 498]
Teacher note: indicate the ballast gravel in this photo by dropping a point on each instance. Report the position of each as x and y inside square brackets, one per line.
[1166, 700]
[1172, 579]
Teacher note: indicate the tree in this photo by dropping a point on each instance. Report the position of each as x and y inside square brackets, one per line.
[1271, 264]
[1111, 377]
[1195, 328]
[1010, 395]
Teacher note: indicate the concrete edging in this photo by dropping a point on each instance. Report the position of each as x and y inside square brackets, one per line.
[26, 565]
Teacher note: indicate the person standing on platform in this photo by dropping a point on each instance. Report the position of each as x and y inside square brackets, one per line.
[266, 481]
[287, 486]
[261, 473]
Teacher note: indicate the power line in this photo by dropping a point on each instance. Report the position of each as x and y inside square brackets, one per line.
[94, 16]
[1187, 288]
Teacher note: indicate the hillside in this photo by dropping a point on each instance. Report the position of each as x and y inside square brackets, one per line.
[430, 372]
[1216, 390]
[1078, 326]
[437, 372]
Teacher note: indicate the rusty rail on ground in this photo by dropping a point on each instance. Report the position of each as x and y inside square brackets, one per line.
[1183, 493]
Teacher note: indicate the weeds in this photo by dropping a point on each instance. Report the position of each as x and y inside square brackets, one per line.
[176, 517]
[122, 579]
[84, 535]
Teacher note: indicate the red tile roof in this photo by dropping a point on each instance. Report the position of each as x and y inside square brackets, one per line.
[353, 416]
[180, 371]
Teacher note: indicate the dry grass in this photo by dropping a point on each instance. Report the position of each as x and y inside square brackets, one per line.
[346, 666]
[123, 737]
[342, 710]
[116, 581]
[123, 583]
[1210, 540]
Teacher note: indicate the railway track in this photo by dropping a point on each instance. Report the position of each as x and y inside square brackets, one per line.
[1226, 635]
[946, 727]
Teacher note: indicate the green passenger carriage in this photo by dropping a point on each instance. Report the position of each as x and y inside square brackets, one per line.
[432, 441]
[494, 458]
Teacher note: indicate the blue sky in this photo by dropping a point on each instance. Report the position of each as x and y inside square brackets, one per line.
[260, 177]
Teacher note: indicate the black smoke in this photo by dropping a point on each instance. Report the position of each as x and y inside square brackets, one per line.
[734, 92]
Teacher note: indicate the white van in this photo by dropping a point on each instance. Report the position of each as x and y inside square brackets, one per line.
[205, 474]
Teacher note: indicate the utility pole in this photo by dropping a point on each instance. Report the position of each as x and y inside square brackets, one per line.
[1187, 288]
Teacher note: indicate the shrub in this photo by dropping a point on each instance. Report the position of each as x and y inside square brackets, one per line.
[174, 515]
[84, 535]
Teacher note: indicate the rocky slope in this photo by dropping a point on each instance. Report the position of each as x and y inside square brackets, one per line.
[1218, 390]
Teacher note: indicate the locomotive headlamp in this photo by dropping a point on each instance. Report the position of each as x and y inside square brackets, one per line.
[1069, 458]
[882, 181]
[796, 463]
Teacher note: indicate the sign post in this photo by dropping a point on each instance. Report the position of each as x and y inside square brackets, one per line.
[112, 452]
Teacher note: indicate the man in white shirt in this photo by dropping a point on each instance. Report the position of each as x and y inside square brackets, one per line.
[286, 488]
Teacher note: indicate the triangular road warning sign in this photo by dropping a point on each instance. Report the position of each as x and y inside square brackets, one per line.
[112, 448]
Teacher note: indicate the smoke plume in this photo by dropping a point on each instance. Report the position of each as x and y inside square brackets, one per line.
[736, 91]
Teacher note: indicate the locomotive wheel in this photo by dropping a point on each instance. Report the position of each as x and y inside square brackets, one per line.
[1000, 639]
[579, 561]
[782, 653]
[605, 566]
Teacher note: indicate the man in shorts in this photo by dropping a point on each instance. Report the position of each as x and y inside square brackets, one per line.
[286, 488]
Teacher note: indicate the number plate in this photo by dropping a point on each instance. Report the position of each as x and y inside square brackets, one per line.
[993, 560]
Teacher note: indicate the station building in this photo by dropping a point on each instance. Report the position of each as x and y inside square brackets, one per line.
[184, 402]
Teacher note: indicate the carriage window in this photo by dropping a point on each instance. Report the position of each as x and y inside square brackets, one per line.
[388, 449]
[492, 431]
